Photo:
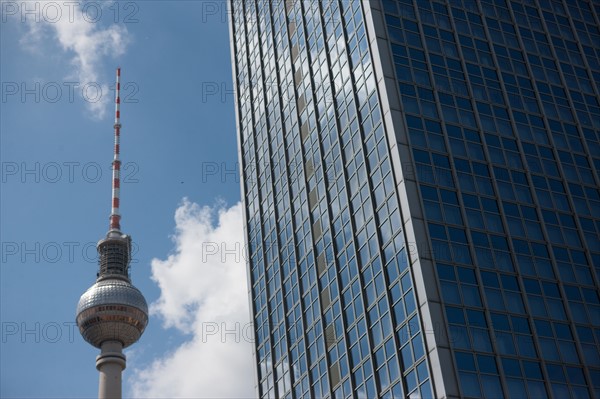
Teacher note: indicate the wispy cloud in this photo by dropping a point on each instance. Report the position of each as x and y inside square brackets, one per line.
[203, 293]
[84, 39]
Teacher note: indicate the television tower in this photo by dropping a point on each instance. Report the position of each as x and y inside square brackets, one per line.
[112, 314]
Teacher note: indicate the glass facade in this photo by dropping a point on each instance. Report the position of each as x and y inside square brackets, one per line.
[421, 191]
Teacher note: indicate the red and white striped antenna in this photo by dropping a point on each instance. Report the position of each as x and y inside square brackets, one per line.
[115, 216]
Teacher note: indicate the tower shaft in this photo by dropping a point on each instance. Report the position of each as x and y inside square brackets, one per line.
[110, 363]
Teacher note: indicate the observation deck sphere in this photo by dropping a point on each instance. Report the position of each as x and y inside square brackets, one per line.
[112, 310]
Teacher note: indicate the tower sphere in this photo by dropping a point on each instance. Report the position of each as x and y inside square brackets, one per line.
[112, 310]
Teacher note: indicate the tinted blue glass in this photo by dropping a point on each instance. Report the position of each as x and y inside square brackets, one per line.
[518, 61]
[493, 144]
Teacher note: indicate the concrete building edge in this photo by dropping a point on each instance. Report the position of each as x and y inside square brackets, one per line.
[444, 383]
[230, 23]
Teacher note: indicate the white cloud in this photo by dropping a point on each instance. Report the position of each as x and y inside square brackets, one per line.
[203, 293]
[80, 33]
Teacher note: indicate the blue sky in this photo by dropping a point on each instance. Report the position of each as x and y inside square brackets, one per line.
[179, 197]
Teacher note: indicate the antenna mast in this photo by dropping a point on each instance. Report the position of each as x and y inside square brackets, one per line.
[115, 216]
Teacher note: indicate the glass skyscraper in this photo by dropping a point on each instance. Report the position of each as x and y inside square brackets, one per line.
[421, 188]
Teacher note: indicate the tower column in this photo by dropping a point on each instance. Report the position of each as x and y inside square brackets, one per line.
[110, 363]
[112, 314]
